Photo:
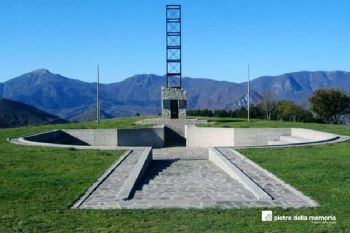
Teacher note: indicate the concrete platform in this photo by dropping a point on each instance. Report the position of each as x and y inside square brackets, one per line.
[205, 172]
[163, 136]
[256, 137]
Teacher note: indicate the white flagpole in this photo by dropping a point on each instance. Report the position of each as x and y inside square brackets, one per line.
[248, 92]
[97, 96]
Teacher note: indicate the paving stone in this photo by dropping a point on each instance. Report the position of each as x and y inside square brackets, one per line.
[181, 177]
[106, 192]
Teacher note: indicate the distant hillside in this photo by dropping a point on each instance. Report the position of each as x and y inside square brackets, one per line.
[90, 115]
[299, 85]
[74, 99]
[13, 114]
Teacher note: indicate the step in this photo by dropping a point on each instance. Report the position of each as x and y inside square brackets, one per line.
[276, 143]
[294, 139]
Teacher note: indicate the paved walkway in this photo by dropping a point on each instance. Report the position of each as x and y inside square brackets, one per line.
[282, 193]
[182, 177]
[104, 196]
[186, 183]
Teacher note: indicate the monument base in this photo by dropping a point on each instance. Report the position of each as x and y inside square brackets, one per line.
[174, 129]
[174, 103]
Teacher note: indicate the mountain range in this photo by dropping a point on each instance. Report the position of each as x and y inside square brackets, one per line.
[14, 114]
[75, 100]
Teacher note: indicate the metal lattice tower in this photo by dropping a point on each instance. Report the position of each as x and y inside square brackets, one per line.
[173, 46]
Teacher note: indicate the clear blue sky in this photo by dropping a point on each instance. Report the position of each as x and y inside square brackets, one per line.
[126, 37]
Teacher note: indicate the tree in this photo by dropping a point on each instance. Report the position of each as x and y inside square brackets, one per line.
[267, 104]
[221, 113]
[330, 104]
[242, 112]
[303, 114]
[199, 112]
[256, 112]
[286, 110]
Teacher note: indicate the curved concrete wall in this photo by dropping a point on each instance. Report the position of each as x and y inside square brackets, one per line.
[143, 137]
[229, 137]
[312, 134]
[195, 137]
[208, 137]
[258, 136]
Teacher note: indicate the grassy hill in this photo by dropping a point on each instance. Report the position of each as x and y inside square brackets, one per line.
[14, 114]
[39, 185]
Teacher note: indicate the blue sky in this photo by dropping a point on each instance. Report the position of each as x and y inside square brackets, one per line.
[126, 37]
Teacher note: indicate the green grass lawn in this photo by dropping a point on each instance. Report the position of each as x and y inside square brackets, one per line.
[39, 185]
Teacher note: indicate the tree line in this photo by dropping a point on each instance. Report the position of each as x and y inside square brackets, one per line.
[325, 105]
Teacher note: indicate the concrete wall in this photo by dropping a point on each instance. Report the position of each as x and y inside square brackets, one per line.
[121, 137]
[153, 137]
[258, 136]
[95, 137]
[313, 135]
[195, 136]
[206, 137]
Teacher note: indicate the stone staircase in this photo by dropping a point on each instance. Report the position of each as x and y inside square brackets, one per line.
[179, 182]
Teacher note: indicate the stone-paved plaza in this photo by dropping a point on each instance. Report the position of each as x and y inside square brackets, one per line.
[107, 188]
[183, 177]
[178, 165]
[191, 181]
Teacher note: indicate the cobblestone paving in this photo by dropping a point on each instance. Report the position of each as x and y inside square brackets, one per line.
[105, 194]
[182, 177]
[187, 181]
[283, 194]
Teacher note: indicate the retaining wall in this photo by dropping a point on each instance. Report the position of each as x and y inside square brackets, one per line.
[258, 136]
[141, 137]
[95, 137]
[195, 137]
[312, 134]
[207, 137]
[144, 137]
[226, 137]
